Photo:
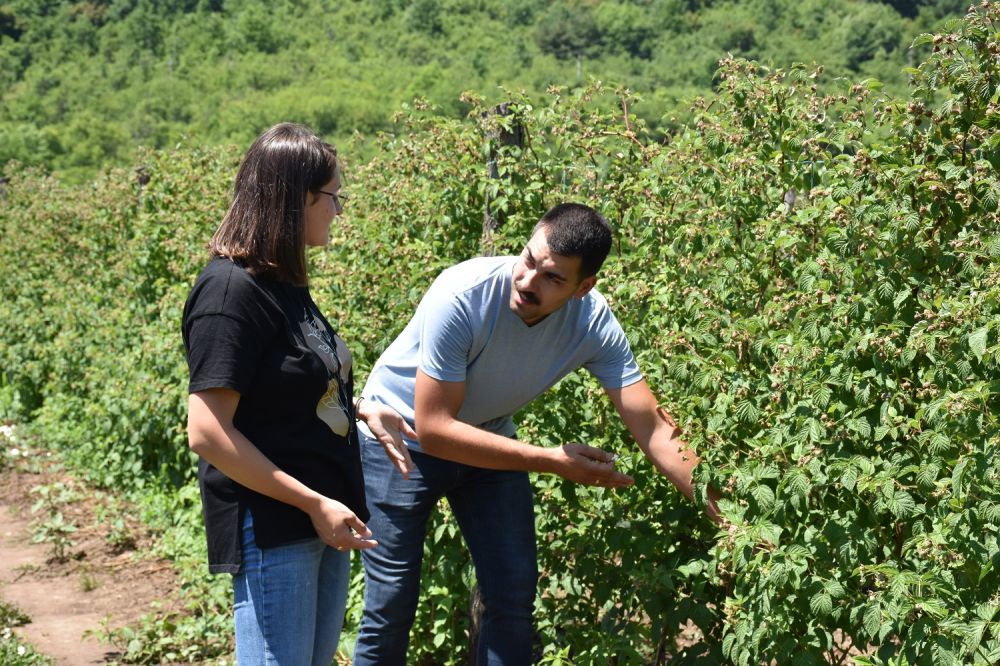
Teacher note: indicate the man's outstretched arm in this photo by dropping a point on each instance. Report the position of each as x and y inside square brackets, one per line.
[443, 435]
[659, 438]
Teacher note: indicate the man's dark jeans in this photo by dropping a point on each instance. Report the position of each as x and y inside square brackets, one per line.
[495, 512]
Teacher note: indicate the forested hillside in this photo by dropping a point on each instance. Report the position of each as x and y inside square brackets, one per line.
[84, 83]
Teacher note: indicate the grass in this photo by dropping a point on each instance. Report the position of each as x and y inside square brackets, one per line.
[13, 651]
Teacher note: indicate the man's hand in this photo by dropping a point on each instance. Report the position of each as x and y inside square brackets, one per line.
[659, 438]
[442, 434]
[712, 508]
[590, 466]
[389, 429]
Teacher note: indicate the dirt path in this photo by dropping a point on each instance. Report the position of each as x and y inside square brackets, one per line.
[106, 578]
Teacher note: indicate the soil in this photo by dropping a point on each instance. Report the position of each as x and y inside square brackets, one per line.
[105, 581]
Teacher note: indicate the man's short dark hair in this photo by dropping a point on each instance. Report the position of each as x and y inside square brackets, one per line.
[576, 230]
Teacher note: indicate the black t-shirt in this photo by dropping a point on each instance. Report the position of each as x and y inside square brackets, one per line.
[268, 341]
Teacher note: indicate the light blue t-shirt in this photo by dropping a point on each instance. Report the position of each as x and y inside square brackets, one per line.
[464, 330]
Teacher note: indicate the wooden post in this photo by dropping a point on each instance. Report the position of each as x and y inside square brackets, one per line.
[497, 137]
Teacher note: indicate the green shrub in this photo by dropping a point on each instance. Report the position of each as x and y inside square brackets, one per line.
[91, 343]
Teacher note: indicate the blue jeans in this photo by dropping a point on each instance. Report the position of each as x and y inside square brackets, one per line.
[290, 602]
[495, 512]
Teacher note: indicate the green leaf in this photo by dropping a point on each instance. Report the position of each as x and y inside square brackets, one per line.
[872, 619]
[746, 411]
[798, 482]
[727, 644]
[934, 607]
[764, 496]
[884, 630]
[943, 655]
[987, 611]
[816, 430]
[927, 475]
[821, 603]
[938, 442]
[439, 532]
[835, 589]
[958, 478]
[860, 426]
[977, 342]
[770, 532]
[849, 478]
[902, 504]
[974, 634]
[692, 568]
[994, 244]
[821, 396]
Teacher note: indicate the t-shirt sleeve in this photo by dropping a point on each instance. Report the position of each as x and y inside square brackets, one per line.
[445, 337]
[223, 352]
[614, 365]
[227, 327]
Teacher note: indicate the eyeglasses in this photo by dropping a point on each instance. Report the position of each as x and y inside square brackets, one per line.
[338, 199]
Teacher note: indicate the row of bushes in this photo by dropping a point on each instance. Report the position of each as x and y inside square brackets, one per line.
[810, 282]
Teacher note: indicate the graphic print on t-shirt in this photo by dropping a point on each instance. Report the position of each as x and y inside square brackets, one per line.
[331, 408]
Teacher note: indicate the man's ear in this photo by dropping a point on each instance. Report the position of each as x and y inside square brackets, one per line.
[585, 285]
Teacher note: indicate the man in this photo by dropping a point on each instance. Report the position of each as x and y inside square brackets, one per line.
[490, 335]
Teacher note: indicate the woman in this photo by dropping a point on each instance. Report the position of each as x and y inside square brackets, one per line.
[270, 411]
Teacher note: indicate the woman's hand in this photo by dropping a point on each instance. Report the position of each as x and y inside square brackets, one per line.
[389, 429]
[212, 435]
[339, 527]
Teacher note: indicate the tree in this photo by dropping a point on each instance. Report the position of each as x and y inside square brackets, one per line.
[871, 30]
[568, 32]
[424, 16]
[911, 8]
[8, 24]
[624, 27]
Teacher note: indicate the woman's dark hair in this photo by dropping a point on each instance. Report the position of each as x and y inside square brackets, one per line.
[263, 230]
[575, 230]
